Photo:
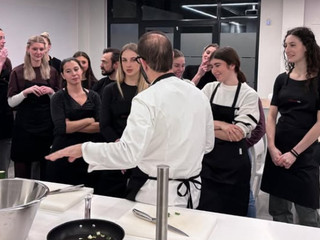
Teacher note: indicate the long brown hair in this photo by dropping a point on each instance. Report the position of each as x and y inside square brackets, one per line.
[312, 53]
[230, 56]
[89, 73]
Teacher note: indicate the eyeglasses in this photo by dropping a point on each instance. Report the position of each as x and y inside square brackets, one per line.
[138, 59]
[141, 69]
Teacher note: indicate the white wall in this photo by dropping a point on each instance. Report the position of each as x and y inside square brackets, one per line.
[312, 17]
[81, 25]
[284, 15]
[73, 25]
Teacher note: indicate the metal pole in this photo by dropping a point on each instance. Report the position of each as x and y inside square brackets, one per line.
[87, 206]
[162, 202]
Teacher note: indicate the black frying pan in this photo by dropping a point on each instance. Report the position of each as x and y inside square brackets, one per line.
[75, 230]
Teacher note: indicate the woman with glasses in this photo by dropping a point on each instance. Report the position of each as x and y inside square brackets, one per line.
[116, 106]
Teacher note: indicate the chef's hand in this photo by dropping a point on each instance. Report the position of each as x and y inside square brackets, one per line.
[275, 156]
[73, 152]
[286, 160]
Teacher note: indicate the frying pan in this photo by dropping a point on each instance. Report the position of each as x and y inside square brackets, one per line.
[82, 228]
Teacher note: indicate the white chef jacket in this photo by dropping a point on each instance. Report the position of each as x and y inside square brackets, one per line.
[170, 123]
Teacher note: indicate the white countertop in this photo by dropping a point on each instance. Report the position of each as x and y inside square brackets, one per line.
[226, 227]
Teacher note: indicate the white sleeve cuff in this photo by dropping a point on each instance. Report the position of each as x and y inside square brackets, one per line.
[16, 99]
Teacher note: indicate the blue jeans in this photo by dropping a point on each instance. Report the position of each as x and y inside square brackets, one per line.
[252, 212]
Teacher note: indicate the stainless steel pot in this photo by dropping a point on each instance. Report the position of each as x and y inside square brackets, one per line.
[19, 202]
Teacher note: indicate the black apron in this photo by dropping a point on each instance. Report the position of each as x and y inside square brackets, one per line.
[33, 128]
[299, 183]
[226, 169]
[139, 178]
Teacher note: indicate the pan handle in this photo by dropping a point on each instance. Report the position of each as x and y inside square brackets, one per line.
[87, 206]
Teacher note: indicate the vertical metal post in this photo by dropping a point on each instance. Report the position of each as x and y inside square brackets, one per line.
[162, 202]
[87, 206]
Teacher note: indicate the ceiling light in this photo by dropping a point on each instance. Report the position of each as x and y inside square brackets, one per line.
[198, 11]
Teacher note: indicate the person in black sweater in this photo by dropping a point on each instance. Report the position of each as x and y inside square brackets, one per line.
[88, 78]
[201, 74]
[6, 114]
[75, 115]
[115, 109]
[53, 61]
[109, 67]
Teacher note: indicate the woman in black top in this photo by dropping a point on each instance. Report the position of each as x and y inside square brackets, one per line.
[53, 61]
[75, 115]
[30, 87]
[6, 114]
[115, 109]
[88, 78]
[201, 74]
[291, 174]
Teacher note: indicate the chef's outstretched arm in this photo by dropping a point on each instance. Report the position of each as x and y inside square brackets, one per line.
[73, 152]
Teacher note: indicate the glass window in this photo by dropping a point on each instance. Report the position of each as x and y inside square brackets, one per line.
[244, 42]
[200, 10]
[124, 9]
[193, 42]
[239, 9]
[121, 34]
[178, 9]
[240, 26]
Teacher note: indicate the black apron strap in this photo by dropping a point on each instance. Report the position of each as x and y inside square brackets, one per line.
[139, 178]
[214, 93]
[237, 95]
[186, 183]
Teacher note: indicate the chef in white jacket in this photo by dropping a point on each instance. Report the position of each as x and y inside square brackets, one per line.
[170, 123]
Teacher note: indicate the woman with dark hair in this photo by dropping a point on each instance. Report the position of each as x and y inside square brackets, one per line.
[88, 78]
[291, 174]
[75, 114]
[201, 74]
[226, 169]
[30, 87]
[6, 114]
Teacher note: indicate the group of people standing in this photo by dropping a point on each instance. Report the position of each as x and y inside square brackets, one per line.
[142, 114]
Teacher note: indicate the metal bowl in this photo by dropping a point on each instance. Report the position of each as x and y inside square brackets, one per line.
[19, 202]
